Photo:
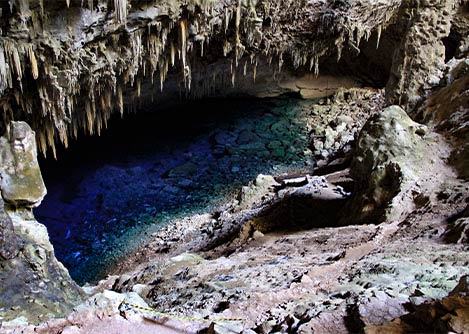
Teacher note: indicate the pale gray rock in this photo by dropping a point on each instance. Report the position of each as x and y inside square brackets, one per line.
[21, 180]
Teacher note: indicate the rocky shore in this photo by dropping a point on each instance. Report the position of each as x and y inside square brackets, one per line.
[373, 239]
[287, 256]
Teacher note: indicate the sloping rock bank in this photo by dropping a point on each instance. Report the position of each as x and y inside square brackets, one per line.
[275, 260]
[378, 247]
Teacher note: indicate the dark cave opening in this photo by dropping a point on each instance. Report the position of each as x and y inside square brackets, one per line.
[451, 44]
[107, 193]
[170, 160]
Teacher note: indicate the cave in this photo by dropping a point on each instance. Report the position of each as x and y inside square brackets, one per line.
[234, 166]
[152, 166]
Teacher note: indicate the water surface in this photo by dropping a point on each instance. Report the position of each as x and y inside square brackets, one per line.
[149, 168]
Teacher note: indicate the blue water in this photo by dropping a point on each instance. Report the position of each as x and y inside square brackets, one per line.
[152, 167]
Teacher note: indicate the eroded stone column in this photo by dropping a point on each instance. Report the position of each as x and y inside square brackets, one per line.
[419, 62]
[33, 284]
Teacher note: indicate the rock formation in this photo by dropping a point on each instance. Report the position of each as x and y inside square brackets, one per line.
[373, 241]
[389, 155]
[66, 66]
[34, 285]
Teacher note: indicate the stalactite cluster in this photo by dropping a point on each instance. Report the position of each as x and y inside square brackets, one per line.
[85, 56]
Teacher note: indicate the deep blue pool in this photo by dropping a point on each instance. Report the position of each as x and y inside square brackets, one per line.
[152, 167]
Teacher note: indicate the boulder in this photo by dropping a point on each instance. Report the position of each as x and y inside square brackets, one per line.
[21, 180]
[390, 152]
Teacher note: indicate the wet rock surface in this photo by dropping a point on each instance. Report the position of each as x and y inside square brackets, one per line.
[326, 280]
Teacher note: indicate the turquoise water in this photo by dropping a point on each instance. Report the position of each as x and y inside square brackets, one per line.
[151, 168]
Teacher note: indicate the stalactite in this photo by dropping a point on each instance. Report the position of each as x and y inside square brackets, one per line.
[120, 7]
[23, 7]
[233, 76]
[173, 52]
[280, 62]
[227, 18]
[14, 58]
[99, 124]
[65, 140]
[254, 72]
[227, 47]
[120, 100]
[41, 7]
[4, 72]
[153, 46]
[183, 42]
[33, 61]
[316, 66]
[379, 36]
[339, 42]
[238, 40]
[42, 142]
[68, 3]
[49, 128]
[89, 116]
[75, 129]
[161, 79]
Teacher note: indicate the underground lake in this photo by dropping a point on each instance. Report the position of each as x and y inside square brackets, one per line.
[107, 193]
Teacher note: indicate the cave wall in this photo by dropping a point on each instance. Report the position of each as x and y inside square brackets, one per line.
[65, 66]
[33, 284]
